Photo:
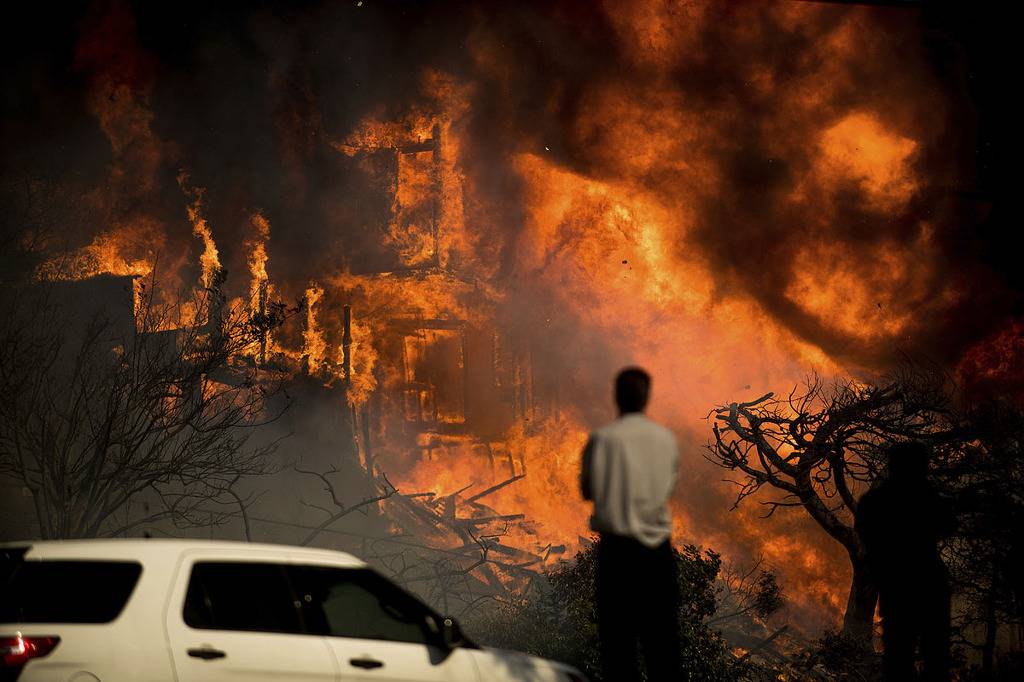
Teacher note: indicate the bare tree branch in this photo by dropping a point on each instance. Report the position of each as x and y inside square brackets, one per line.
[96, 417]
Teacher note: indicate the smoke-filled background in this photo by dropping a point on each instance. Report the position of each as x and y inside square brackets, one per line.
[729, 194]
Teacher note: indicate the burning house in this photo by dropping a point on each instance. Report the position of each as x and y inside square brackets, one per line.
[430, 381]
[407, 401]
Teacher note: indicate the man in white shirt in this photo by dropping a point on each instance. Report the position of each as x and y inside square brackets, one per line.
[629, 471]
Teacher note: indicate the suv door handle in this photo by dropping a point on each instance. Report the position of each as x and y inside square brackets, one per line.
[206, 653]
[365, 663]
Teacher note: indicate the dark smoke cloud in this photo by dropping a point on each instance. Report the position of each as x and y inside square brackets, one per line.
[248, 96]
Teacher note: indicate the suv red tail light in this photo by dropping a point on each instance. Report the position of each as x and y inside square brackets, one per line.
[19, 650]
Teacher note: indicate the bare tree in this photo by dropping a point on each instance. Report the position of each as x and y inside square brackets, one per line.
[383, 490]
[819, 449]
[111, 428]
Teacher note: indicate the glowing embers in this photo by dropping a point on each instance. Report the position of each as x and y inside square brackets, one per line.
[434, 373]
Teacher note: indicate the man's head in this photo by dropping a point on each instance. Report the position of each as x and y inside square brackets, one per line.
[632, 389]
[908, 461]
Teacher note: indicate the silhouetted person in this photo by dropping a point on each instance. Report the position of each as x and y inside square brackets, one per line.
[900, 523]
[629, 471]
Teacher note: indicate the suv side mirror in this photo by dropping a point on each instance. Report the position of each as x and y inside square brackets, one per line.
[451, 633]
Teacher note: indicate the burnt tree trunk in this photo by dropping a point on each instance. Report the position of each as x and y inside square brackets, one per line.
[859, 619]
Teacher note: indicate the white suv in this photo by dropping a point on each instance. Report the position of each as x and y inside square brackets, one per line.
[89, 610]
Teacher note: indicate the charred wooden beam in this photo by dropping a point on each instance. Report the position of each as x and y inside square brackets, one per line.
[481, 520]
[495, 488]
[416, 324]
[428, 145]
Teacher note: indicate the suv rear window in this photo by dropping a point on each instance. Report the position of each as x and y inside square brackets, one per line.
[344, 602]
[241, 596]
[45, 591]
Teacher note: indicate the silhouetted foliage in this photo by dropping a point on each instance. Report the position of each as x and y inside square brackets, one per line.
[837, 656]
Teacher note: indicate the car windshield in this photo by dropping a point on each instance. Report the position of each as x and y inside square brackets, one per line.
[52, 591]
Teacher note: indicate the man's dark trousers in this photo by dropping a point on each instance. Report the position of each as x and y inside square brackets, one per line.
[637, 604]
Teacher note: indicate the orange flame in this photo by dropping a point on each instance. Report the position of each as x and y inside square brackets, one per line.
[314, 346]
[123, 250]
[210, 258]
[257, 258]
[363, 381]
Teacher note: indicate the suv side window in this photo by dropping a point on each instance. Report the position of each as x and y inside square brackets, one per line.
[359, 603]
[241, 596]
